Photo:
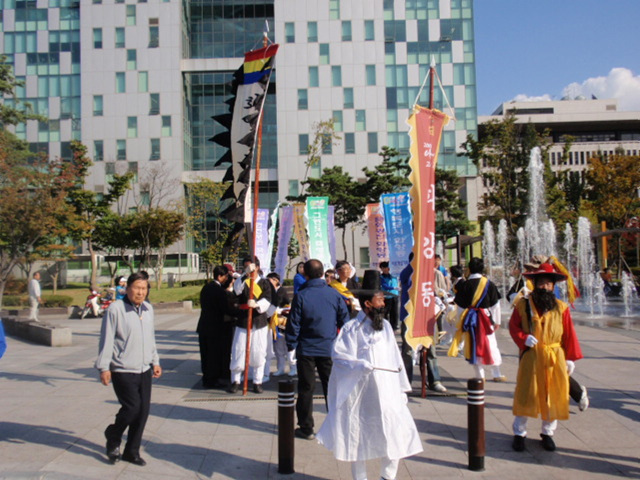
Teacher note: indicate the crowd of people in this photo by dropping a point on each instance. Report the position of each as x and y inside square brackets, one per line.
[344, 332]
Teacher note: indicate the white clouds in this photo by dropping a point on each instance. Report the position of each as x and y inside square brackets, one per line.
[620, 83]
[526, 98]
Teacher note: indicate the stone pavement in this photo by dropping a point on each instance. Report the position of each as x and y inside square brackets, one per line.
[53, 412]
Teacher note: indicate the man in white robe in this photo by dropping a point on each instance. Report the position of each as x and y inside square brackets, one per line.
[368, 414]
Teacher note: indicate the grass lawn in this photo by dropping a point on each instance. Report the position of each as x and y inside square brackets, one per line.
[164, 295]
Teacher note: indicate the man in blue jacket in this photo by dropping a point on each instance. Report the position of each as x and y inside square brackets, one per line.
[317, 312]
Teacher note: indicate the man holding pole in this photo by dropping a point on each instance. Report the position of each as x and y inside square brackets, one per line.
[259, 301]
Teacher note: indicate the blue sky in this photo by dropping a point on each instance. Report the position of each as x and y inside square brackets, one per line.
[539, 48]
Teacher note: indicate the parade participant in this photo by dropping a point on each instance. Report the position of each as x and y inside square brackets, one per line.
[278, 321]
[317, 312]
[478, 301]
[368, 415]
[434, 382]
[344, 284]
[329, 276]
[542, 329]
[34, 296]
[443, 270]
[128, 357]
[389, 285]
[259, 303]
[457, 278]
[215, 330]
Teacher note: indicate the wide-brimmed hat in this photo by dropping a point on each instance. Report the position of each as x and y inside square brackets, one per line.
[535, 262]
[545, 270]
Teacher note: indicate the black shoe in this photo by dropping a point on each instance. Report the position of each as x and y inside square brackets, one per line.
[547, 442]
[257, 388]
[113, 450]
[233, 388]
[307, 436]
[135, 459]
[518, 443]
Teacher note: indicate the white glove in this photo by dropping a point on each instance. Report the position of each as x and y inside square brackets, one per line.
[571, 366]
[250, 268]
[252, 303]
[530, 341]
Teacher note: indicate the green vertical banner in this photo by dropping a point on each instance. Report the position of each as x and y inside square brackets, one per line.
[317, 227]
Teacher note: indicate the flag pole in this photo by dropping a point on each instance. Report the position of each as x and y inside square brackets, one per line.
[256, 190]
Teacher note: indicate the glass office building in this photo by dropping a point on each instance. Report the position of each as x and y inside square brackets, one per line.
[138, 82]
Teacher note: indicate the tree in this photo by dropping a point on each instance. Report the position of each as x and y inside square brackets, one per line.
[156, 230]
[32, 189]
[344, 193]
[89, 206]
[324, 136]
[390, 176]
[32, 203]
[451, 218]
[502, 157]
[114, 236]
[613, 182]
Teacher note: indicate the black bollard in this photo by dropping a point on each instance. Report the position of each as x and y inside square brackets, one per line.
[475, 423]
[286, 407]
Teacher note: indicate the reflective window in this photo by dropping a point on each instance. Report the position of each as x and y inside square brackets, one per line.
[336, 76]
[154, 37]
[166, 125]
[155, 149]
[370, 74]
[131, 14]
[348, 97]
[314, 80]
[119, 37]
[121, 149]
[303, 143]
[289, 32]
[349, 143]
[372, 142]
[361, 120]
[337, 120]
[143, 81]
[369, 30]
[132, 60]
[132, 127]
[97, 38]
[303, 103]
[120, 82]
[324, 54]
[346, 31]
[312, 32]
[98, 150]
[97, 106]
[154, 104]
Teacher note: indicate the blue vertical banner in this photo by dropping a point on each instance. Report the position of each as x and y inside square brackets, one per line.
[284, 237]
[317, 227]
[262, 239]
[331, 231]
[396, 209]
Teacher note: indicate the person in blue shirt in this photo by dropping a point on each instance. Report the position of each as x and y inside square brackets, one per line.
[299, 278]
[3, 341]
[121, 288]
[389, 285]
[318, 311]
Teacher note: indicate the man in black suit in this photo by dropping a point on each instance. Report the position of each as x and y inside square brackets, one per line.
[215, 330]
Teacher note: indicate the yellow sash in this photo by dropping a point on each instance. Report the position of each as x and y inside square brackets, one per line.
[257, 291]
[460, 335]
[342, 290]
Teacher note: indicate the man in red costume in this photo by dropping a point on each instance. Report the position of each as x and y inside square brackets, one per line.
[542, 328]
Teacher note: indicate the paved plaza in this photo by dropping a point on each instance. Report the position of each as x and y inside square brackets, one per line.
[53, 412]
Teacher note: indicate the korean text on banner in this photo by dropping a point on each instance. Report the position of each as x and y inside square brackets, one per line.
[318, 218]
[396, 209]
[425, 133]
[377, 239]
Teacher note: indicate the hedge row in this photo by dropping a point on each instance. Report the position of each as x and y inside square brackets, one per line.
[49, 300]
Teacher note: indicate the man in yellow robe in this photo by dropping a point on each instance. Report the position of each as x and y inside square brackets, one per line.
[542, 328]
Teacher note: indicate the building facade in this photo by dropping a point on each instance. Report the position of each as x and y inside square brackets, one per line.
[139, 82]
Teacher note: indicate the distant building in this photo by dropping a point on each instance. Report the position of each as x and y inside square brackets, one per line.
[593, 125]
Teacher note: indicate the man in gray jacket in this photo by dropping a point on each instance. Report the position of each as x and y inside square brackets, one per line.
[128, 357]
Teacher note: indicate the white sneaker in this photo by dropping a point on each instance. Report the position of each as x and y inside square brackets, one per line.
[438, 387]
[293, 371]
[583, 404]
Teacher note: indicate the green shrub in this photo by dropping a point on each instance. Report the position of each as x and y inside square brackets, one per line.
[192, 283]
[15, 300]
[57, 300]
[288, 282]
[195, 298]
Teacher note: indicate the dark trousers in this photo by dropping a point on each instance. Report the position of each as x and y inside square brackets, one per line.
[433, 373]
[134, 394]
[307, 367]
[575, 390]
[215, 356]
[391, 307]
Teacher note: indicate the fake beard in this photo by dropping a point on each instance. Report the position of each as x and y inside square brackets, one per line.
[544, 300]
[377, 318]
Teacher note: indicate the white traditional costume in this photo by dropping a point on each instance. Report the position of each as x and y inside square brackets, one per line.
[368, 415]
